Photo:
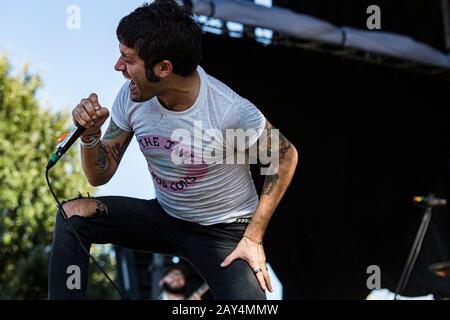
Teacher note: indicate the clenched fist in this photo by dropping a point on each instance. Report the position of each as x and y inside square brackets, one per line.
[90, 114]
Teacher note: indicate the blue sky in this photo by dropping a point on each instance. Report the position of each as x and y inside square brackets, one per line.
[75, 62]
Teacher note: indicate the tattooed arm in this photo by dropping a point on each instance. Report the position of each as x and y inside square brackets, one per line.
[277, 179]
[284, 161]
[101, 162]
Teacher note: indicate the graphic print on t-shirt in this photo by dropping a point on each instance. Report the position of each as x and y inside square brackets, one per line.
[193, 172]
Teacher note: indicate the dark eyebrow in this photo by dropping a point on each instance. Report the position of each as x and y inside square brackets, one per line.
[123, 54]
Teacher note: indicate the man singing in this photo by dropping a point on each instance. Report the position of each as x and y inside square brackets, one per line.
[206, 208]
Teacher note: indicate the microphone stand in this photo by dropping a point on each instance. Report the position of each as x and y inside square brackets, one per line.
[415, 250]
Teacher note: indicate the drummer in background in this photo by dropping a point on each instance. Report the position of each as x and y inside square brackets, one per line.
[173, 285]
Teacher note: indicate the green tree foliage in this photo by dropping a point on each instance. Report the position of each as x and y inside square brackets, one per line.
[27, 210]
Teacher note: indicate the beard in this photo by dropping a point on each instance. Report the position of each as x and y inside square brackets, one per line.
[139, 94]
[142, 90]
[171, 289]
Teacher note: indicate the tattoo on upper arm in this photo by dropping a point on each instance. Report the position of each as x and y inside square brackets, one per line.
[113, 131]
[284, 146]
[265, 146]
[267, 142]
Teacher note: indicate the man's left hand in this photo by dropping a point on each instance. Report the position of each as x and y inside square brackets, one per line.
[254, 254]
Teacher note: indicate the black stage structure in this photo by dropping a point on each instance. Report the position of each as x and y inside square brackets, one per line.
[370, 137]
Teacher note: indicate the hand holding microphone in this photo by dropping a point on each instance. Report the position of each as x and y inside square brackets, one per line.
[88, 117]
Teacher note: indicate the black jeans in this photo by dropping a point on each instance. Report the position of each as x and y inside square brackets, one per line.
[144, 225]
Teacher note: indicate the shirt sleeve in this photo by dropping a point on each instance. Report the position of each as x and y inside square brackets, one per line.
[246, 116]
[119, 108]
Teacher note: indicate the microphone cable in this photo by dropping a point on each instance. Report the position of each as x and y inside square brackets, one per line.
[67, 223]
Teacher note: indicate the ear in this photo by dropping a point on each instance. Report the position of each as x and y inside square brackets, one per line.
[163, 69]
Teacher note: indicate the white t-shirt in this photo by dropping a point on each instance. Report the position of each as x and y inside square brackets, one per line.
[202, 191]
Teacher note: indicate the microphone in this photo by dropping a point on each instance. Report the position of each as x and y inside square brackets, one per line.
[429, 201]
[65, 145]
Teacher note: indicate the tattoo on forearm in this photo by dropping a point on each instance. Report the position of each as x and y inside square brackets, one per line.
[116, 150]
[102, 159]
[113, 131]
[270, 183]
[113, 150]
[121, 150]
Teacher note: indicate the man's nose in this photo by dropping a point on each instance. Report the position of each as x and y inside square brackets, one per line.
[120, 65]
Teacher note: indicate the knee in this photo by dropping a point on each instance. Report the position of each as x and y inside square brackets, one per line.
[84, 207]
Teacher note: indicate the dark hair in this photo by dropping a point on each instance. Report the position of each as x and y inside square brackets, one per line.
[173, 268]
[163, 30]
